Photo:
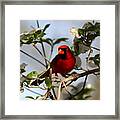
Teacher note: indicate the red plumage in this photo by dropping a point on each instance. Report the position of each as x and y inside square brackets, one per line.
[64, 61]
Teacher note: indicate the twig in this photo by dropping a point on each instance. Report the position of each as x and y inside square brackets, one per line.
[89, 53]
[53, 91]
[44, 53]
[59, 91]
[69, 83]
[66, 89]
[42, 46]
[95, 48]
[38, 24]
[32, 27]
[55, 97]
[37, 87]
[75, 76]
[48, 94]
[40, 52]
[37, 49]
[79, 69]
[32, 91]
[60, 86]
[72, 96]
[51, 52]
[26, 77]
[83, 86]
[32, 57]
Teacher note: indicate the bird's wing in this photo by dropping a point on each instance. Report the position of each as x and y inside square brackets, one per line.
[54, 61]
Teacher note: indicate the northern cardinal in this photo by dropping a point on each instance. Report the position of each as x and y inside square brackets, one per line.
[63, 62]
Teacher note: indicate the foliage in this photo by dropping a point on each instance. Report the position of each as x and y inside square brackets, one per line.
[82, 41]
[86, 34]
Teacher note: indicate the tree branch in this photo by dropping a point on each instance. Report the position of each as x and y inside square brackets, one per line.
[59, 91]
[55, 97]
[32, 57]
[32, 91]
[75, 76]
[53, 91]
[40, 52]
[38, 24]
[51, 52]
[42, 47]
[81, 89]
[95, 48]
[44, 53]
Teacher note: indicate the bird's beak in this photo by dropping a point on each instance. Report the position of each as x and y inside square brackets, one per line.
[61, 52]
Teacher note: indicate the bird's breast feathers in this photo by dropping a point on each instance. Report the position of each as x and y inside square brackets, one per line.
[63, 66]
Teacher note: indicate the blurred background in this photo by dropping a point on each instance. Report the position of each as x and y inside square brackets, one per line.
[57, 29]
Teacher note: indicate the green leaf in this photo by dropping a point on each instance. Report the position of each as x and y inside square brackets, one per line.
[36, 82]
[97, 62]
[47, 40]
[87, 90]
[22, 67]
[96, 59]
[87, 25]
[86, 97]
[46, 26]
[50, 40]
[30, 97]
[32, 74]
[26, 38]
[24, 80]
[27, 81]
[81, 31]
[97, 56]
[80, 48]
[38, 31]
[48, 82]
[72, 50]
[91, 36]
[22, 70]
[41, 35]
[97, 25]
[37, 97]
[91, 58]
[60, 40]
[93, 30]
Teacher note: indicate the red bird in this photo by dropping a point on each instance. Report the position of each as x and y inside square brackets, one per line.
[63, 63]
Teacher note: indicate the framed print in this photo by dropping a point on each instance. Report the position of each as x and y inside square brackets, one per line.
[59, 59]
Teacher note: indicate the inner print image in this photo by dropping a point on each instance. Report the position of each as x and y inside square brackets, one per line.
[60, 59]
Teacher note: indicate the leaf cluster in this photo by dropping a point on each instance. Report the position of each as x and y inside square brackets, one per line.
[34, 36]
[95, 59]
[37, 36]
[85, 94]
[87, 34]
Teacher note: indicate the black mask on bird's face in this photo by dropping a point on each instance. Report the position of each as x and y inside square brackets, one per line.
[62, 52]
